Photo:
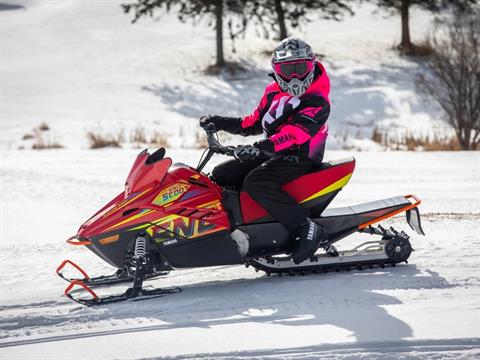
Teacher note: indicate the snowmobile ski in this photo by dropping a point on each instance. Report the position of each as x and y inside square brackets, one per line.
[136, 292]
[131, 294]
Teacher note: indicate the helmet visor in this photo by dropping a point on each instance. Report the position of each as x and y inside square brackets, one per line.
[298, 69]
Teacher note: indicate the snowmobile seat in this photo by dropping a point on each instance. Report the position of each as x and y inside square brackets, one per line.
[393, 202]
[331, 163]
[314, 190]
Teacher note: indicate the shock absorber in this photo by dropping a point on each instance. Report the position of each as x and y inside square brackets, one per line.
[140, 251]
[140, 257]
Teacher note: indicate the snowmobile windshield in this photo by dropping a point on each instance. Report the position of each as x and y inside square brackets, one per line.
[143, 173]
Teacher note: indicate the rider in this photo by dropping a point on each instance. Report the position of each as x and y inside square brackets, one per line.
[292, 115]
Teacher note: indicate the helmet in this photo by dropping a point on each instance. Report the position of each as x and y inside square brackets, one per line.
[293, 63]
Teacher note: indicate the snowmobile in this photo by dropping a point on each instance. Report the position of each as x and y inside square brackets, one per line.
[174, 216]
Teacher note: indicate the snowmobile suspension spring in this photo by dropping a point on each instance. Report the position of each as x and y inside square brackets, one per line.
[140, 247]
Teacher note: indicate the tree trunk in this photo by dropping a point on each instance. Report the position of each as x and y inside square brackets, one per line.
[405, 45]
[219, 28]
[281, 19]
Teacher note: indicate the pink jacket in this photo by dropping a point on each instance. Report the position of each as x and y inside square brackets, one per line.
[290, 124]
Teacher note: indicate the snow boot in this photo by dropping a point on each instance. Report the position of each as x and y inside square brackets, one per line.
[308, 237]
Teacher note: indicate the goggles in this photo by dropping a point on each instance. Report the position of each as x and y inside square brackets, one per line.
[298, 69]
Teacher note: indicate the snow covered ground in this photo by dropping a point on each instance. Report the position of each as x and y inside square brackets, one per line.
[80, 66]
[428, 309]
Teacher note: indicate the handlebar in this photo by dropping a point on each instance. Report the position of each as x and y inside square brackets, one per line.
[213, 143]
[213, 147]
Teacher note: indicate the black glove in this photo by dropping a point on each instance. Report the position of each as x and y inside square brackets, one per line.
[246, 153]
[216, 120]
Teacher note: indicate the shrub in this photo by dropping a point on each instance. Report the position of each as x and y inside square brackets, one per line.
[138, 135]
[159, 140]
[43, 127]
[41, 144]
[410, 142]
[454, 79]
[99, 140]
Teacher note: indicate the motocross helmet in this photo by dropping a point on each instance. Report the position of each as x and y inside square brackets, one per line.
[293, 64]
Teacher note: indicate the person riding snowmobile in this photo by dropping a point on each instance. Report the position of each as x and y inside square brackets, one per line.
[292, 114]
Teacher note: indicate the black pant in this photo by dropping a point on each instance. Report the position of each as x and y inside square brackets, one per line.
[262, 179]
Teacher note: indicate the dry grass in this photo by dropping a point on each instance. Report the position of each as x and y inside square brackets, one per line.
[43, 127]
[434, 143]
[412, 143]
[40, 143]
[200, 140]
[422, 49]
[100, 140]
[138, 135]
[159, 140]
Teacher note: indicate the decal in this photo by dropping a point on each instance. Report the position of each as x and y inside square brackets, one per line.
[332, 187]
[171, 193]
[131, 218]
[125, 202]
[169, 222]
[214, 205]
[169, 242]
[279, 108]
[183, 227]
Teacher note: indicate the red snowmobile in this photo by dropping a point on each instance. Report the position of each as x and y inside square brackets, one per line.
[172, 217]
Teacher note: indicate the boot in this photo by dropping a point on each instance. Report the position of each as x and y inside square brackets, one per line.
[308, 237]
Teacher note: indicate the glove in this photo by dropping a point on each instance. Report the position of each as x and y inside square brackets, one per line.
[216, 120]
[246, 153]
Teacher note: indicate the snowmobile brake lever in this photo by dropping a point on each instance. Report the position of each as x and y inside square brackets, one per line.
[88, 302]
[65, 262]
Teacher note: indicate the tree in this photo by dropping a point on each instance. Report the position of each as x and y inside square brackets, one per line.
[402, 7]
[216, 10]
[454, 80]
[292, 12]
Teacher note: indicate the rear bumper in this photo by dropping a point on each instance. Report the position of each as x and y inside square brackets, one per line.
[350, 219]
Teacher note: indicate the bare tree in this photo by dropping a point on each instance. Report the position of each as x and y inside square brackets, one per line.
[276, 16]
[454, 78]
[216, 10]
[402, 7]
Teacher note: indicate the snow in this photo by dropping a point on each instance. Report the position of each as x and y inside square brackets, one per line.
[426, 309]
[80, 66]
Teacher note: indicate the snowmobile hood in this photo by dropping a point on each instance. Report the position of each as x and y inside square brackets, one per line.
[146, 175]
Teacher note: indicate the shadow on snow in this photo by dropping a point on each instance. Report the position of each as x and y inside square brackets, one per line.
[349, 301]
